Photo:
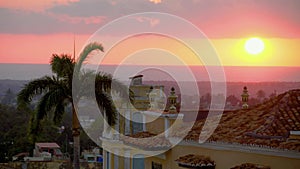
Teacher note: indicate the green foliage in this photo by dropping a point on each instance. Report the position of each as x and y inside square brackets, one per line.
[50, 102]
[85, 54]
[62, 65]
[13, 132]
[86, 142]
[56, 93]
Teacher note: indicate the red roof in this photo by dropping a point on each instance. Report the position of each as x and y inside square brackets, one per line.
[47, 145]
[157, 143]
[195, 161]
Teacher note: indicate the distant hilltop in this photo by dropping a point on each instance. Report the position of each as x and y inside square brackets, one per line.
[23, 71]
[268, 79]
[232, 73]
[233, 88]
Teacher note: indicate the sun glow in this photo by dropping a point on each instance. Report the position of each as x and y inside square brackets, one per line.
[254, 46]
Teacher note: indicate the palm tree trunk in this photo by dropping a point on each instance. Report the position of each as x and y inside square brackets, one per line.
[76, 140]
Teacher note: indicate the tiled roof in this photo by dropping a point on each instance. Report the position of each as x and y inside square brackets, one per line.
[143, 134]
[267, 124]
[284, 116]
[250, 166]
[195, 161]
[138, 140]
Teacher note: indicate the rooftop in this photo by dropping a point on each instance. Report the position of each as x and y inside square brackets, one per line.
[138, 140]
[268, 124]
[47, 145]
[250, 165]
[195, 161]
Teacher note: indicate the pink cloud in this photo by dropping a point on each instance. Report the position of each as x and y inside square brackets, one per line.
[78, 19]
[40, 48]
[152, 21]
[34, 5]
[113, 3]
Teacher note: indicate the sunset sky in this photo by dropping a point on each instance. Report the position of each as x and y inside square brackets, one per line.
[31, 31]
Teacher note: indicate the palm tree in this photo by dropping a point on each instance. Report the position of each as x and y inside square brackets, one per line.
[56, 94]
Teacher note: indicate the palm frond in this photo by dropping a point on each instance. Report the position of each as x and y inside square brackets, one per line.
[34, 127]
[42, 107]
[59, 112]
[106, 106]
[51, 102]
[35, 87]
[85, 53]
[105, 82]
[62, 65]
[83, 85]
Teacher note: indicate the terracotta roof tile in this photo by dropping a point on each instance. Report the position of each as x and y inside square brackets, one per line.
[195, 161]
[138, 140]
[250, 166]
[267, 124]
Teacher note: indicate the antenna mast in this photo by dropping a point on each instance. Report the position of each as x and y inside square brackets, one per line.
[74, 48]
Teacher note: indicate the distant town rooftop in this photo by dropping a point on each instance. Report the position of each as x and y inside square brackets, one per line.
[47, 145]
[137, 76]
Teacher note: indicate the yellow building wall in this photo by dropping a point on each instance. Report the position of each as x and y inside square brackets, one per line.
[226, 159]
[112, 165]
[171, 121]
[157, 126]
[149, 160]
[121, 161]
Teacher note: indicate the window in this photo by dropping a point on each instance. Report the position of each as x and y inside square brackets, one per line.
[127, 123]
[91, 159]
[107, 160]
[138, 161]
[156, 165]
[127, 159]
[137, 122]
[116, 159]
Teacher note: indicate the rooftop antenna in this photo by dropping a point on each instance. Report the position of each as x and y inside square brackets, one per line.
[74, 48]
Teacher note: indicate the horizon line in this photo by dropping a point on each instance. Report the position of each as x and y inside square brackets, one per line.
[271, 66]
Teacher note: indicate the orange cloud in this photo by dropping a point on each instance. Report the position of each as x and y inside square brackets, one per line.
[34, 5]
[155, 1]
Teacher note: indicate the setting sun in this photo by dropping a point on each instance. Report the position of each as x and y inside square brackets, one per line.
[254, 46]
